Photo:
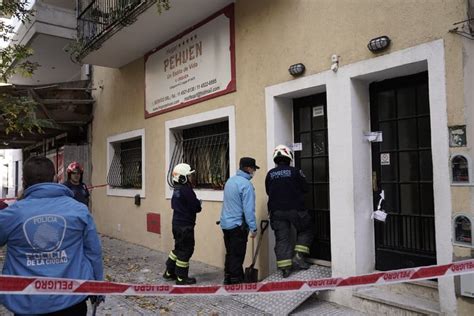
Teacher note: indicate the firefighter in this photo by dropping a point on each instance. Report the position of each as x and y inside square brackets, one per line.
[285, 187]
[185, 205]
[74, 182]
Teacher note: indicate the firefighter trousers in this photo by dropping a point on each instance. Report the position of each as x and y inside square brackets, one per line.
[178, 259]
[281, 223]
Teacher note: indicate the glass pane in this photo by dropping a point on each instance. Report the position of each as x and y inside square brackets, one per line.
[305, 140]
[391, 198]
[409, 199]
[406, 102]
[389, 136]
[460, 169]
[424, 132]
[309, 198]
[390, 172]
[305, 118]
[318, 114]
[422, 99]
[307, 168]
[427, 199]
[321, 196]
[407, 134]
[319, 143]
[463, 230]
[320, 169]
[426, 165]
[386, 105]
[408, 166]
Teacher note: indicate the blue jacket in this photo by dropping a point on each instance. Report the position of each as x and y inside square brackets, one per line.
[239, 202]
[49, 234]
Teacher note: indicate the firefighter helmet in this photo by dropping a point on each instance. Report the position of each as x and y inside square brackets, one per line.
[74, 166]
[181, 172]
[281, 151]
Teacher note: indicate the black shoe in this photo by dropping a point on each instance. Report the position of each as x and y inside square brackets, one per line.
[185, 281]
[299, 262]
[286, 272]
[169, 276]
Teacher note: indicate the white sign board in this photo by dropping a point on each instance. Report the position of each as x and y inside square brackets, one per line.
[197, 65]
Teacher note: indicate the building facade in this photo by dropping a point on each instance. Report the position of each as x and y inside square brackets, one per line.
[210, 84]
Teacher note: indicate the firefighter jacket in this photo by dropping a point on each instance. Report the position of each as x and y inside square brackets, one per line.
[285, 186]
[185, 205]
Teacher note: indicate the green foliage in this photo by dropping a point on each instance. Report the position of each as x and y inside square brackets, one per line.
[19, 115]
[163, 5]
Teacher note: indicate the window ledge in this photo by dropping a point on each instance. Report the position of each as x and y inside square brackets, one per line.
[203, 194]
[458, 244]
[461, 184]
[125, 192]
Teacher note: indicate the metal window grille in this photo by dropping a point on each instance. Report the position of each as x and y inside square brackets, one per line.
[460, 169]
[126, 167]
[206, 150]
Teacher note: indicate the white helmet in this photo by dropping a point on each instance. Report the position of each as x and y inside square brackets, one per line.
[282, 151]
[181, 172]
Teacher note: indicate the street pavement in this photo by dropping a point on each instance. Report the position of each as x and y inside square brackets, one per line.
[130, 263]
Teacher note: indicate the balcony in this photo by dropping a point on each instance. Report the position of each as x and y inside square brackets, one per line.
[51, 29]
[116, 32]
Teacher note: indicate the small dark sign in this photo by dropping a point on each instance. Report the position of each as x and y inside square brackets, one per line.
[457, 136]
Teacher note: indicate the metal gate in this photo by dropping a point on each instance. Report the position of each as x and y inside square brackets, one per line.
[310, 129]
[402, 167]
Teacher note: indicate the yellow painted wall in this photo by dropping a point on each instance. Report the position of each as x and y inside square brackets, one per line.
[270, 36]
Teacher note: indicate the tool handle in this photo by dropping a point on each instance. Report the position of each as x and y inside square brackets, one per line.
[263, 228]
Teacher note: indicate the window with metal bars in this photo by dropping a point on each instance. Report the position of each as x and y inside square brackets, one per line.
[126, 168]
[206, 150]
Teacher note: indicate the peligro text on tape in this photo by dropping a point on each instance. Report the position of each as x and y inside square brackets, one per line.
[41, 285]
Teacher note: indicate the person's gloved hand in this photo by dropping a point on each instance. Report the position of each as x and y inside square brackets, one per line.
[97, 299]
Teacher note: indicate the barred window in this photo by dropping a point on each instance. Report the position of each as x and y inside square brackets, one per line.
[463, 230]
[206, 150]
[126, 168]
[460, 169]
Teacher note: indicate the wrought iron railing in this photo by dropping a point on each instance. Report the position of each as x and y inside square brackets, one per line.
[126, 168]
[205, 149]
[98, 20]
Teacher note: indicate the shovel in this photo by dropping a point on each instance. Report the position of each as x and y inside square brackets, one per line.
[251, 274]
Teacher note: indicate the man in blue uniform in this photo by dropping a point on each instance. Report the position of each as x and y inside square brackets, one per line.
[185, 206]
[238, 218]
[48, 234]
[286, 186]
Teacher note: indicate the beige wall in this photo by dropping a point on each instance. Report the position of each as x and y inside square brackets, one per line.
[270, 36]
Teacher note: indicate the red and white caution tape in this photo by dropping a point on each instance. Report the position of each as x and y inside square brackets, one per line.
[38, 286]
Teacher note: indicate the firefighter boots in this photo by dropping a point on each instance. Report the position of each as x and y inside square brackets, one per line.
[286, 272]
[169, 276]
[185, 281]
[299, 262]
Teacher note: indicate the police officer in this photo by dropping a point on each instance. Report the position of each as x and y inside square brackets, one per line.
[285, 187]
[185, 206]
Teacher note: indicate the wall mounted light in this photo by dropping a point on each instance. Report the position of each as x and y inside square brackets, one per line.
[296, 69]
[378, 44]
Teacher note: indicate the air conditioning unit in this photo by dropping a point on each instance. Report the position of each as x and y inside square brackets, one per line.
[467, 285]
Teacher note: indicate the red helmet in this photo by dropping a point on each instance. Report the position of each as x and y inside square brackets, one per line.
[74, 166]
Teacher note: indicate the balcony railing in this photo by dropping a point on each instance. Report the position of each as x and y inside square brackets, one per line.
[98, 20]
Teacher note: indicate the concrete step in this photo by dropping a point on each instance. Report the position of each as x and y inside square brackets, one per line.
[423, 289]
[380, 300]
